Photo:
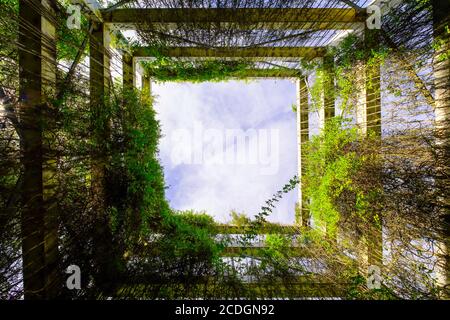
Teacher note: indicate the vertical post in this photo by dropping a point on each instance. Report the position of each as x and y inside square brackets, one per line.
[373, 86]
[328, 110]
[373, 127]
[441, 66]
[137, 72]
[146, 85]
[100, 78]
[361, 107]
[49, 68]
[303, 218]
[368, 111]
[368, 119]
[37, 73]
[127, 72]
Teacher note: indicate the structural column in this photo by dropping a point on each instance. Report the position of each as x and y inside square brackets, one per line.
[127, 71]
[373, 127]
[137, 73]
[328, 109]
[441, 66]
[303, 217]
[146, 85]
[100, 79]
[368, 120]
[368, 111]
[37, 73]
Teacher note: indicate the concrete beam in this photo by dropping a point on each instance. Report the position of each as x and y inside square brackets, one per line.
[274, 18]
[281, 53]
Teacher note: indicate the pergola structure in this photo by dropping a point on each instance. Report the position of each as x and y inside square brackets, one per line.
[341, 19]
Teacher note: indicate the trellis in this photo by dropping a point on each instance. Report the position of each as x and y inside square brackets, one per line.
[37, 59]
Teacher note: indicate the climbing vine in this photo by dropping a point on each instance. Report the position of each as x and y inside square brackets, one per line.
[334, 158]
[168, 69]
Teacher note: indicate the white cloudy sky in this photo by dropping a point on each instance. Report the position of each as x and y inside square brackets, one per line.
[186, 109]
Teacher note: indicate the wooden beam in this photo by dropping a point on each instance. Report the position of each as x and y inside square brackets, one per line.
[269, 73]
[266, 229]
[281, 53]
[273, 18]
[292, 252]
[314, 286]
[256, 73]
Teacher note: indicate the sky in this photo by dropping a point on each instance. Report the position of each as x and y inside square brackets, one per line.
[228, 146]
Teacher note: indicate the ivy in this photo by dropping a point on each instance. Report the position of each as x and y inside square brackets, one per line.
[135, 173]
[330, 166]
[167, 69]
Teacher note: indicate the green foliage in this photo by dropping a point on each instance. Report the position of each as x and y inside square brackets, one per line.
[350, 55]
[189, 234]
[277, 247]
[69, 41]
[316, 90]
[357, 290]
[239, 219]
[259, 222]
[13, 5]
[331, 165]
[294, 107]
[275, 256]
[135, 176]
[440, 44]
[8, 37]
[198, 220]
[171, 69]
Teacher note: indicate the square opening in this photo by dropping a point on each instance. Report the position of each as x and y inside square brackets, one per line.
[228, 146]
